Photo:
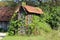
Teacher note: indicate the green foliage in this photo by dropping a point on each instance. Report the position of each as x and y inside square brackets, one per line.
[13, 28]
[51, 15]
[44, 26]
[38, 24]
[8, 3]
[32, 3]
[2, 4]
[15, 24]
[11, 4]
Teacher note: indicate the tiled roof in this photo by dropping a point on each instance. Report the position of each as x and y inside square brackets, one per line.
[33, 9]
[6, 13]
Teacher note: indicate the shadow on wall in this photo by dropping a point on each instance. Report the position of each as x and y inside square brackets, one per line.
[4, 26]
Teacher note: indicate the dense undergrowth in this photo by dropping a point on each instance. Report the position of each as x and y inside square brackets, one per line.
[47, 22]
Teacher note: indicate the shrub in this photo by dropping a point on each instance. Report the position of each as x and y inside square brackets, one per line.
[1, 30]
[37, 24]
[51, 15]
[13, 25]
[46, 27]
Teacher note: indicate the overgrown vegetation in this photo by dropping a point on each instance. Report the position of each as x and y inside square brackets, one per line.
[51, 15]
[47, 25]
[46, 22]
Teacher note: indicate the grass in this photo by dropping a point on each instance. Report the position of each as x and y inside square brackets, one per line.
[24, 38]
[54, 35]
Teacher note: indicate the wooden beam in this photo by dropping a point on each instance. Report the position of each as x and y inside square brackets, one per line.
[26, 21]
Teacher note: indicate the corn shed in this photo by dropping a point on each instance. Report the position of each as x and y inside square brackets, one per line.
[26, 12]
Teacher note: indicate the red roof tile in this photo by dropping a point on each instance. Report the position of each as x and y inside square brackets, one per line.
[6, 13]
[33, 9]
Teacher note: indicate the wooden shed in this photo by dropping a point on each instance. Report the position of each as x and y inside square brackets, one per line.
[29, 11]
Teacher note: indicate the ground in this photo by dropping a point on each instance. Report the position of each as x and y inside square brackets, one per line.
[54, 35]
[24, 38]
[2, 35]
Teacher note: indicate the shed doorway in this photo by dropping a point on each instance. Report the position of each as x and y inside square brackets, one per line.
[4, 26]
